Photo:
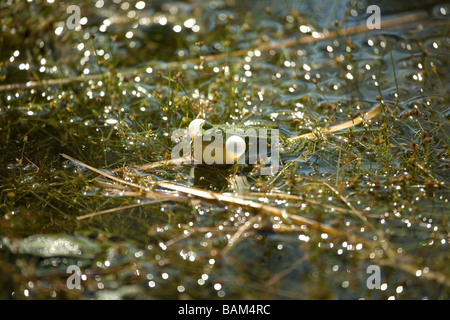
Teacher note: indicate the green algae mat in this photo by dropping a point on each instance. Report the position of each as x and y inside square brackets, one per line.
[321, 172]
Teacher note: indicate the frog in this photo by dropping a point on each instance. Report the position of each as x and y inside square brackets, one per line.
[235, 143]
[243, 143]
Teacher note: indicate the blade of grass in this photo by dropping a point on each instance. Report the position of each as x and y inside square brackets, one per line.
[107, 175]
[93, 214]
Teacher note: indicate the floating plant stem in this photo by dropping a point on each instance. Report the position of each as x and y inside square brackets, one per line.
[97, 213]
[209, 195]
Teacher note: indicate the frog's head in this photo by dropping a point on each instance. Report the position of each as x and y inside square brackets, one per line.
[196, 127]
[234, 146]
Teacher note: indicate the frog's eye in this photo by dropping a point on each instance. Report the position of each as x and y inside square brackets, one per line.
[195, 127]
[235, 148]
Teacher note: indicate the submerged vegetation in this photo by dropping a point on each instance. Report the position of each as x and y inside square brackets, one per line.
[86, 117]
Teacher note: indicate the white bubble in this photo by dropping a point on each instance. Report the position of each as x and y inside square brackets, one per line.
[140, 5]
[58, 31]
[189, 23]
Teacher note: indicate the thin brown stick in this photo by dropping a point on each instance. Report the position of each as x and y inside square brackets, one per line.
[249, 203]
[33, 165]
[93, 214]
[366, 116]
[169, 162]
[286, 271]
[107, 175]
[234, 239]
[427, 172]
[348, 204]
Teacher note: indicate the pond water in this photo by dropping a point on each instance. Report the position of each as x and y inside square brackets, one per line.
[358, 214]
